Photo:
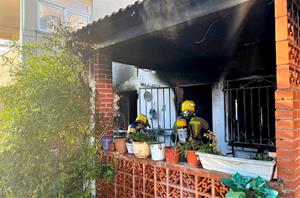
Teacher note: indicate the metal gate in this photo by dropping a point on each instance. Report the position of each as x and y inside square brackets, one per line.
[158, 104]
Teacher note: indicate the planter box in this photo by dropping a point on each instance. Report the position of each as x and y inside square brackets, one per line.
[231, 165]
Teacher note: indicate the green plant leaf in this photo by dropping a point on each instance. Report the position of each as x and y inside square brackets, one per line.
[45, 133]
[232, 194]
[228, 182]
[270, 193]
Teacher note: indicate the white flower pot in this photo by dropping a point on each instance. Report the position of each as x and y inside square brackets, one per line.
[231, 165]
[157, 151]
[129, 147]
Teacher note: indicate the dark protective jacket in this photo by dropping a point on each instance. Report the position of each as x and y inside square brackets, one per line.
[197, 126]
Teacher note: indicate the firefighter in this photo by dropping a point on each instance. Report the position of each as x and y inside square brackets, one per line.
[189, 125]
[140, 124]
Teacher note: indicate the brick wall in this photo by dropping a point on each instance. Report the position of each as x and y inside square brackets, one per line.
[102, 69]
[144, 178]
[288, 94]
[102, 74]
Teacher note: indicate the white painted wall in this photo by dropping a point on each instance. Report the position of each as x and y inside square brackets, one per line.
[29, 16]
[101, 8]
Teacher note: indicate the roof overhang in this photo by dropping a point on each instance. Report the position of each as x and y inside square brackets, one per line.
[9, 19]
[206, 37]
[148, 16]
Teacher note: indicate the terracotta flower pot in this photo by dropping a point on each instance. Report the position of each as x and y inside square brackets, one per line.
[120, 145]
[192, 158]
[141, 149]
[172, 155]
[112, 146]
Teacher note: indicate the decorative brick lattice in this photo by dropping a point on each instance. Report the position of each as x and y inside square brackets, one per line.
[140, 178]
[204, 186]
[188, 194]
[149, 170]
[174, 177]
[161, 175]
[293, 14]
[174, 192]
[220, 189]
[138, 183]
[138, 169]
[149, 187]
[188, 181]
[128, 181]
[129, 166]
[161, 190]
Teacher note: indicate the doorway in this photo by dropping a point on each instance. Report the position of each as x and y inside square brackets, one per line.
[202, 96]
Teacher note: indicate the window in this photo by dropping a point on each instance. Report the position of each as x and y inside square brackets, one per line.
[75, 20]
[72, 4]
[249, 113]
[50, 15]
[73, 13]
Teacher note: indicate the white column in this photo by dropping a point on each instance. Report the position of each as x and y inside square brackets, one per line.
[219, 116]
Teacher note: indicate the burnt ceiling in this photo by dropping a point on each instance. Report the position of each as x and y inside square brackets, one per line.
[233, 41]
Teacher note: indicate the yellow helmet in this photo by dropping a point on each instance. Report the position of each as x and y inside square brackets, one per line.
[188, 105]
[142, 119]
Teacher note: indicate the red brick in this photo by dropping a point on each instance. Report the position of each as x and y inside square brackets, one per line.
[285, 124]
[292, 184]
[284, 104]
[101, 95]
[287, 144]
[100, 85]
[287, 164]
[106, 100]
[284, 95]
[282, 53]
[283, 77]
[281, 25]
[104, 90]
[284, 114]
[287, 154]
[104, 81]
[280, 8]
[285, 174]
[284, 134]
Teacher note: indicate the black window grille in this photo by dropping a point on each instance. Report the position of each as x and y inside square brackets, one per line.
[250, 112]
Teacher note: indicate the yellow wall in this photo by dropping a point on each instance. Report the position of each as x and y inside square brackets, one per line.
[9, 19]
[5, 78]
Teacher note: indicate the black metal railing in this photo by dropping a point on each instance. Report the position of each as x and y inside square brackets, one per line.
[250, 112]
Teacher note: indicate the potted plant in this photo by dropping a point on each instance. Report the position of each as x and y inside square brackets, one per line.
[244, 187]
[212, 159]
[189, 149]
[120, 144]
[157, 150]
[141, 148]
[172, 154]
